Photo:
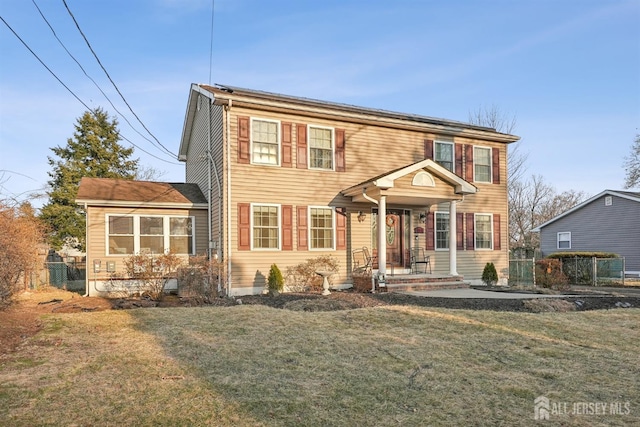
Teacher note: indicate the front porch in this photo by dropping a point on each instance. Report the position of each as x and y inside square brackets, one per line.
[421, 282]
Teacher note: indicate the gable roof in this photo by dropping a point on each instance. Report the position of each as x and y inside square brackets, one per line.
[630, 195]
[123, 192]
[233, 95]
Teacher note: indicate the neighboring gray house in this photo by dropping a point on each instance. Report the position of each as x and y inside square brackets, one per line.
[607, 222]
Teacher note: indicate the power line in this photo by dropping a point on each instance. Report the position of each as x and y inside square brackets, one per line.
[90, 78]
[45, 65]
[110, 79]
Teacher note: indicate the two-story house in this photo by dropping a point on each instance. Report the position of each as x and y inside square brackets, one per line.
[287, 179]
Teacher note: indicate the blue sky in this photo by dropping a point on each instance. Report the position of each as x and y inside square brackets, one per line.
[569, 70]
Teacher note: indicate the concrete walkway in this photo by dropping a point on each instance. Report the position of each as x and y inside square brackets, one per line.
[478, 293]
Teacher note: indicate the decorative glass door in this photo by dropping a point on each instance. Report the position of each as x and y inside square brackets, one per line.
[397, 234]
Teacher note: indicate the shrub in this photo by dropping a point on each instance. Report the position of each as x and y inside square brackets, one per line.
[362, 281]
[275, 282]
[489, 274]
[152, 272]
[201, 279]
[303, 277]
[549, 274]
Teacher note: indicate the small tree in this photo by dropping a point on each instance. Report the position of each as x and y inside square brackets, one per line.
[632, 165]
[275, 281]
[489, 274]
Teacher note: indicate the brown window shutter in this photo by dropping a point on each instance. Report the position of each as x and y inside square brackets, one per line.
[459, 231]
[243, 140]
[468, 170]
[471, 241]
[340, 151]
[244, 226]
[287, 227]
[495, 165]
[496, 232]
[303, 241]
[286, 145]
[341, 231]
[430, 233]
[457, 148]
[301, 147]
[428, 149]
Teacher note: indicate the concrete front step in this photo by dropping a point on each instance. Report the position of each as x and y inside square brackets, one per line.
[425, 286]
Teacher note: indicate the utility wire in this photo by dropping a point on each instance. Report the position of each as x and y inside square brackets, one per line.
[111, 80]
[73, 93]
[45, 65]
[90, 78]
[213, 8]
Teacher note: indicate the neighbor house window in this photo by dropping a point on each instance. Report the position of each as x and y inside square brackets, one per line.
[442, 230]
[484, 232]
[266, 228]
[564, 240]
[482, 164]
[320, 148]
[444, 154]
[121, 238]
[265, 142]
[133, 234]
[321, 230]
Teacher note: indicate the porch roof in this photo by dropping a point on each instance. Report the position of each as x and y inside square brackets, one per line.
[422, 191]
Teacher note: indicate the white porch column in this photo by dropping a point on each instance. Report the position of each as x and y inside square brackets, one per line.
[382, 235]
[453, 260]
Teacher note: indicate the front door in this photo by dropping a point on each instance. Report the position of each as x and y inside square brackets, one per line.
[396, 226]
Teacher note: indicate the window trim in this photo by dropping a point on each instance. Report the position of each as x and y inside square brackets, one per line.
[475, 231]
[558, 239]
[482, 147]
[279, 222]
[453, 153]
[333, 147]
[333, 228]
[166, 232]
[435, 230]
[278, 137]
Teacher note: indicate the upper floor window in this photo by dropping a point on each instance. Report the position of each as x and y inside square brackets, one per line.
[484, 231]
[442, 230]
[564, 240]
[266, 227]
[321, 228]
[481, 164]
[265, 142]
[444, 154]
[133, 234]
[320, 148]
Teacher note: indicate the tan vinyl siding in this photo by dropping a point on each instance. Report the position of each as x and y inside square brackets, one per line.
[370, 151]
[97, 233]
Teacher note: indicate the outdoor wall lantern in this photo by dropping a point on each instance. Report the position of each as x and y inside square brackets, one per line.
[361, 216]
[423, 216]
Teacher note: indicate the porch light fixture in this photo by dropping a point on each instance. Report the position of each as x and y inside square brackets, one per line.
[423, 216]
[361, 216]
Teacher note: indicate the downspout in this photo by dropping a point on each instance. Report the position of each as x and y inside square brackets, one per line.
[228, 147]
[86, 244]
[209, 189]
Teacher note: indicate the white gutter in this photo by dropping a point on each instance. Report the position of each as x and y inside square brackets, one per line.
[228, 148]
[369, 198]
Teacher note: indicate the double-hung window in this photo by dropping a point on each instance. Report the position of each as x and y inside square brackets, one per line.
[444, 155]
[481, 164]
[484, 231]
[442, 230]
[141, 234]
[265, 142]
[321, 148]
[321, 228]
[564, 240]
[266, 226]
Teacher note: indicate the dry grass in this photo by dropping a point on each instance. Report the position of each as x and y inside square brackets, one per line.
[254, 365]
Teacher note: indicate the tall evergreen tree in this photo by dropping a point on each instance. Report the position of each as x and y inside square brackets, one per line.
[93, 151]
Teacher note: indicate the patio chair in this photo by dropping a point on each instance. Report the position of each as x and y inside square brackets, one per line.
[361, 260]
[418, 257]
